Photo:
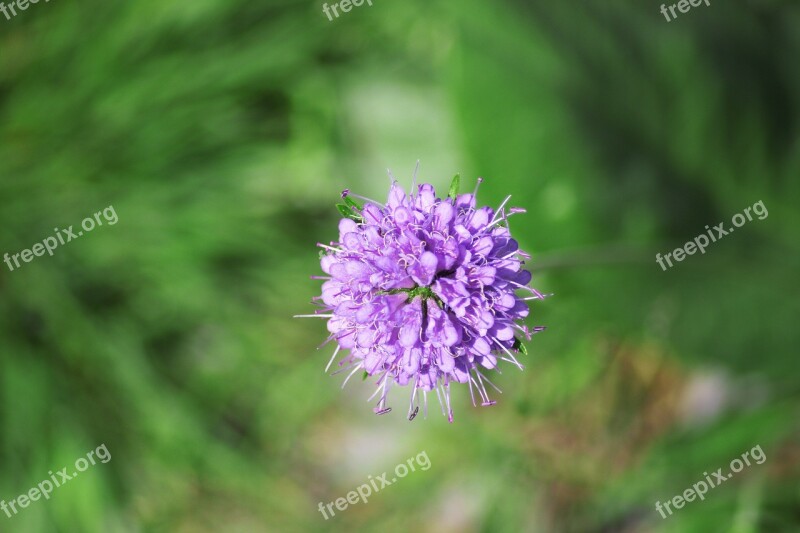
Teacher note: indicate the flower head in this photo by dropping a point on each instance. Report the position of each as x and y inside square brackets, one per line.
[422, 291]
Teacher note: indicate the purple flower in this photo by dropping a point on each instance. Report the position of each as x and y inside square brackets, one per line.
[422, 291]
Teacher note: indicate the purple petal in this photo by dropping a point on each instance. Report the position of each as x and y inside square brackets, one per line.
[424, 271]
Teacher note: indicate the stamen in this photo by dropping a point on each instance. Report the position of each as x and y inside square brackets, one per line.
[382, 401]
[329, 339]
[331, 248]
[499, 210]
[446, 393]
[489, 382]
[345, 369]
[347, 192]
[471, 394]
[414, 180]
[509, 354]
[481, 391]
[475, 192]
[482, 386]
[538, 294]
[379, 385]
[509, 256]
[356, 369]
[438, 395]
[411, 404]
[332, 358]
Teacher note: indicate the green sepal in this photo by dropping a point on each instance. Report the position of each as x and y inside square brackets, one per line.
[352, 203]
[347, 212]
[365, 376]
[518, 346]
[454, 185]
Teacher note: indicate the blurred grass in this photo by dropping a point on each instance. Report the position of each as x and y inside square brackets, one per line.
[222, 134]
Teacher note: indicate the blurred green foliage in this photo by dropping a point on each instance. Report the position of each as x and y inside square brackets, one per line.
[222, 134]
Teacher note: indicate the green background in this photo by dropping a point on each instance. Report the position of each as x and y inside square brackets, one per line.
[222, 132]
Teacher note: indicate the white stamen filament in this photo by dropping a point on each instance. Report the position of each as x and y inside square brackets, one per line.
[356, 369]
[332, 358]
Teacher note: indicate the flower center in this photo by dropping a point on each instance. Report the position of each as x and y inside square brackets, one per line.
[418, 290]
[425, 292]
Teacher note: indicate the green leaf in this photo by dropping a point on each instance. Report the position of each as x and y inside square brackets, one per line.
[454, 185]
[365, 376]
